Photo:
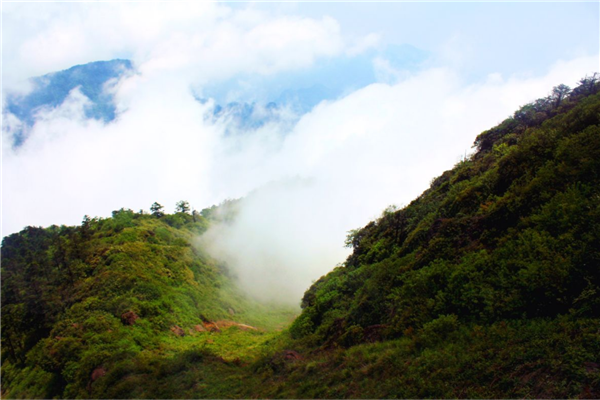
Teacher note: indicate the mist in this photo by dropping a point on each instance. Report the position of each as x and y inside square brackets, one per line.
[343, 164]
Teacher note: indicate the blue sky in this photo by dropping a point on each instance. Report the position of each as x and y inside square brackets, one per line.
[487, 37]
[478, 38]
[394, 94]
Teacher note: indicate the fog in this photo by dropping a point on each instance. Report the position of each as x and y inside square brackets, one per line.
[343, 163]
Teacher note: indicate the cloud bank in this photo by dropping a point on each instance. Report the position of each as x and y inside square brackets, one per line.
[347, 160]
[305, 183]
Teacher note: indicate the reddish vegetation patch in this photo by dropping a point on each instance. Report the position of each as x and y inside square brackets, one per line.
[129, 317]
[228, 324]
[97, 373]
[177, 330]
[245, 327]
[212, 326]
[217, 326]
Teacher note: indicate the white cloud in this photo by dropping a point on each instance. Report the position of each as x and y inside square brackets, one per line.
[203, 40]
[384, 72]
[363, 44]
[346, 161]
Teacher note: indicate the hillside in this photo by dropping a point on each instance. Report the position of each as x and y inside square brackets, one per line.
[485, 286]
[488, 284]
[107, 308]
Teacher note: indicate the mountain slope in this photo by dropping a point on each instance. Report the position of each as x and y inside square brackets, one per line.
[512, 232]
[474, 286]
[93, 79]
[88, 310]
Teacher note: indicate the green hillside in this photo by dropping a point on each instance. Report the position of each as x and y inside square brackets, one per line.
[486, 286]
[108, 308]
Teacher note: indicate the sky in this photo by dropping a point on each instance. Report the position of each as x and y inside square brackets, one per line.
[397, 93]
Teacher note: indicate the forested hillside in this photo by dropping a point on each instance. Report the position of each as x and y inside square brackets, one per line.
[107, 308]
[486, 286]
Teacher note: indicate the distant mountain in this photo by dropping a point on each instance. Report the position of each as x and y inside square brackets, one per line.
[286, 96]
[288, 107]
[295, 93]
[51, 90]
[246, 116]
[94, 79]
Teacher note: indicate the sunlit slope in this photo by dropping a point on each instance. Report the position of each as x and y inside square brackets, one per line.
[107, 308]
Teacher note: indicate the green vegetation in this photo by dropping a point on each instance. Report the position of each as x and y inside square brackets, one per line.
[107, 308]
[486, 286]
[475, 285]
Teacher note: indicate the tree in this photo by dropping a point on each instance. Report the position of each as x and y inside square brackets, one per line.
[182, 206]
[587, 86]
[85, 226]
[157, 210]
[559, 93]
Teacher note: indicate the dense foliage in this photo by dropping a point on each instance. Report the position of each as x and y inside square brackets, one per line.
[88, 310]
[509, 236]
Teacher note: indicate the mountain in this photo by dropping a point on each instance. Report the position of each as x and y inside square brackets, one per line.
[295, 93]
[485, 286]
[240, 118]
[51, 90]
[288, 107]
[288, 96]
[96, 80]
